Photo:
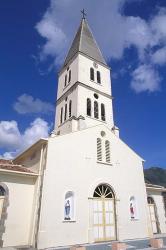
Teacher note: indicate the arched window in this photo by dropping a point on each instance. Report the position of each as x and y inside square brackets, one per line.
[102, 112]
[99, 149]
[69, 76]
[2, 196]
[96, 110]
[2, 191]
[98, 77]
[88, 107]
[150, 200]
[107, 151]
[133, 208]
[92, 74]
[65, 80]
[61, 119]
[65, 112]
[70, 107]
[69, 206]
[103, 191]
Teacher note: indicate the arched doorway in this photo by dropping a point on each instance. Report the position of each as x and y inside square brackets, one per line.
[153, 216]
[104, 226]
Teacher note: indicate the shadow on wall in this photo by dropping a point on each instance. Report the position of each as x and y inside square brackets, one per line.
[4, 203]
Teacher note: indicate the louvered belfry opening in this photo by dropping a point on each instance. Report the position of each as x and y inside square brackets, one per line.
[99, 150]
[107, 151]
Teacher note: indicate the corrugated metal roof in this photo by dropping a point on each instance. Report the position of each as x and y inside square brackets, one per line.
[85, 43]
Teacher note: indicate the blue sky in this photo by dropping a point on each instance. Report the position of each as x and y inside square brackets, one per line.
[35, 36]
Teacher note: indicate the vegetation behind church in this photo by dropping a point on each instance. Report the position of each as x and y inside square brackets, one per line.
[155, 175]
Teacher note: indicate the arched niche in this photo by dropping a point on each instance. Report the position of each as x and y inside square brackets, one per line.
[133, 208]
[69, 206]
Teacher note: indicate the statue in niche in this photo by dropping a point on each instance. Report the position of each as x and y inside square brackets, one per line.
[67, 210]
[132, 211]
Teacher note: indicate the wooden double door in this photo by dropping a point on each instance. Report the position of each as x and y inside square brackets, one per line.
[104, 226]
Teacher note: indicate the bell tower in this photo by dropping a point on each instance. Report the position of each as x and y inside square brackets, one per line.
[84, 96]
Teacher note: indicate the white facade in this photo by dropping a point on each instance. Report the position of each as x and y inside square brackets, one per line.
[80, 172]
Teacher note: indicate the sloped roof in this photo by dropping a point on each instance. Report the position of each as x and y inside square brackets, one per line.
[85, 43]
[4, 161]
[9, 166]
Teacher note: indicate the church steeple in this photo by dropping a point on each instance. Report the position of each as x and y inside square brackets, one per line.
[85, 43]
[84, 86]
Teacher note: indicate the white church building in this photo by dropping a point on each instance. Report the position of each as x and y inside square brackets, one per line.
[83, 184]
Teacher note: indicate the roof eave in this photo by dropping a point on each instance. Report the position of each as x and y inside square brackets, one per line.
[18, 173]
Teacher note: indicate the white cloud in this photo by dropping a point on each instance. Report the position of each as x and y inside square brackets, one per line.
[114, 32]
[145, 78]
[12, 139]
[27, 104]
[37, 129]
[9, 134]
[158, 26]
[7, 155]
[159, 57]
[59, 23]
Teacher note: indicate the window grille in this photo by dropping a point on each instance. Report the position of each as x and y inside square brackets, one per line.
[104, 191]
[99, 150]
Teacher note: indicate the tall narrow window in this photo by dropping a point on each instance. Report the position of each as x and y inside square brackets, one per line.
[61, 115]
[99, 150]
[89, 107]
[70, 107]
[107, 151]
[96, 110]
[98, 77]
[65, 80]
[92, 74]
[65, 111]
[102, 112]
[69, 76]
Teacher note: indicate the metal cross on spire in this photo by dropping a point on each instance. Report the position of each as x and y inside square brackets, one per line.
[83, 14]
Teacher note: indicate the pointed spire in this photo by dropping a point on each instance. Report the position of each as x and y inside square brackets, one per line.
[84, 43]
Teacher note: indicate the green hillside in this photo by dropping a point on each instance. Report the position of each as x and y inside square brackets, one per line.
[155, 175]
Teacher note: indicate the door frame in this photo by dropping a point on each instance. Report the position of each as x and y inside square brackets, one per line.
[151, 203]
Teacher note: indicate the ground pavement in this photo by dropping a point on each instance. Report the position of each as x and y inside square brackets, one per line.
[142, 244]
